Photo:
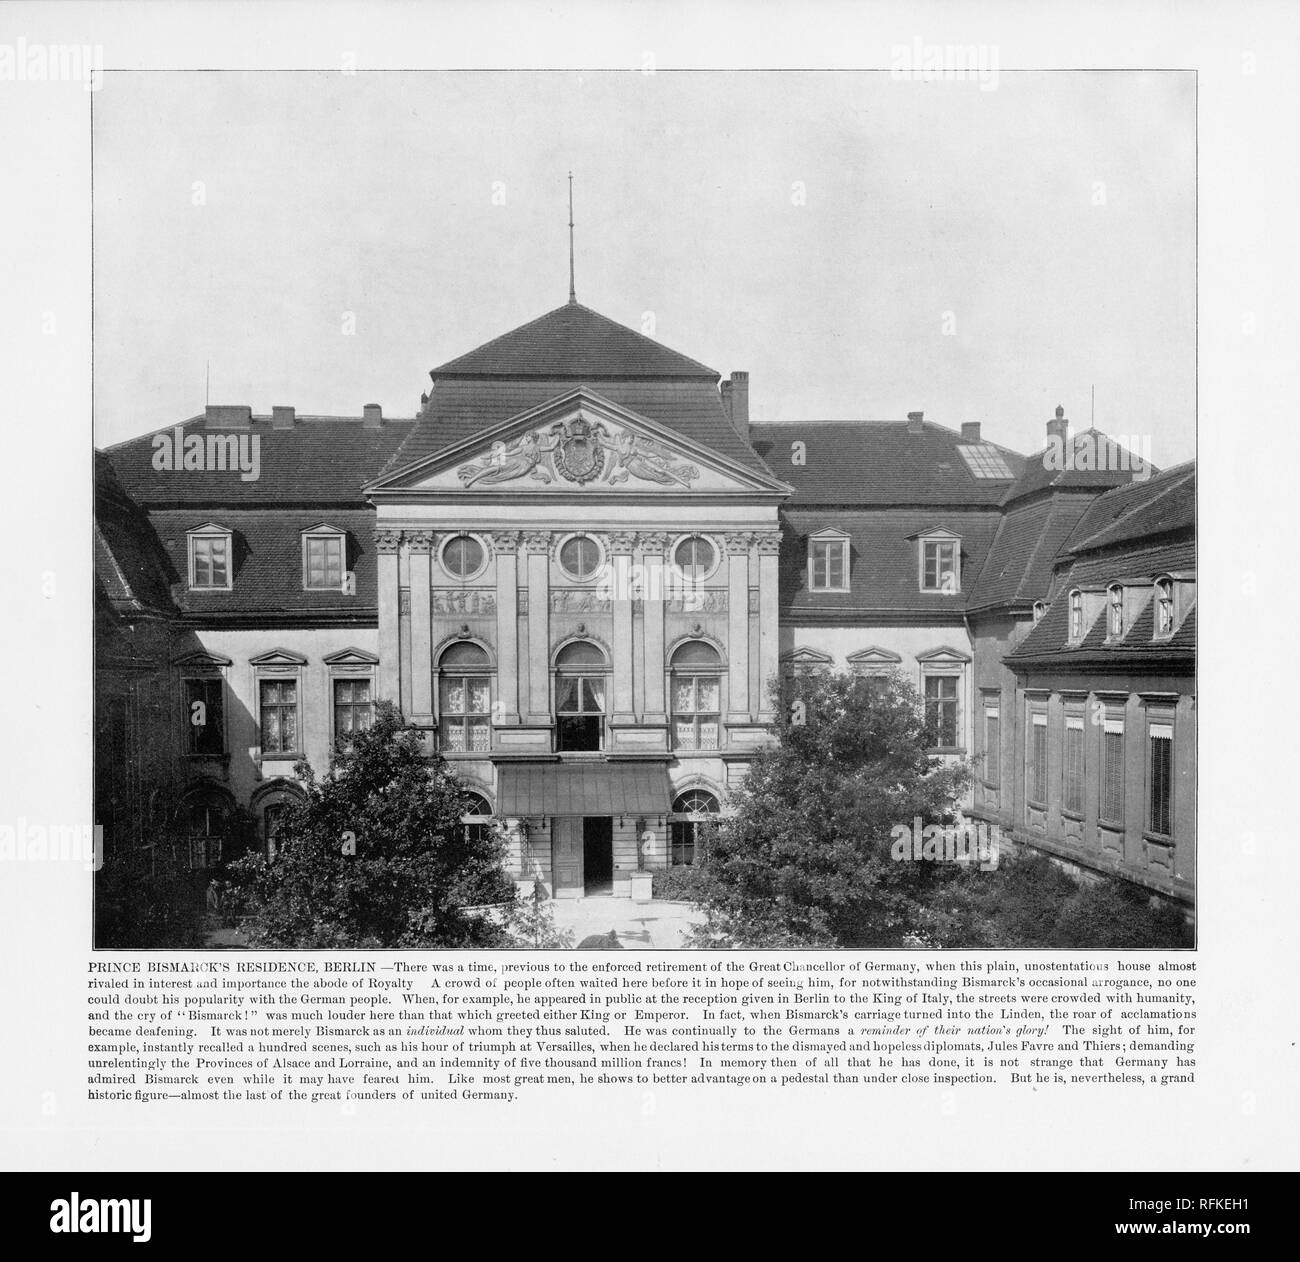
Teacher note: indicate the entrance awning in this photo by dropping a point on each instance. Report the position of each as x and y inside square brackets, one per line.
[597, 788]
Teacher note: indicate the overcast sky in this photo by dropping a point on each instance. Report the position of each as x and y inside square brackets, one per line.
[814, 229]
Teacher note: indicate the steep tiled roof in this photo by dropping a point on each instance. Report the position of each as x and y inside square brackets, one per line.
[576, 342]
[1029, 541]
[460, 408]
[319, 460]
[876, 463]
[268, 562]
[1163, 505]
[884, 570]
[1039, 472]
[130, 569]
[1047, 643]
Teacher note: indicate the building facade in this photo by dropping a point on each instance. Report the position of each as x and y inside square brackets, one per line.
[580, 573]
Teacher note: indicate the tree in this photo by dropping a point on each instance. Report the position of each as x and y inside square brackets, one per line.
[806, 860]
[377, 855]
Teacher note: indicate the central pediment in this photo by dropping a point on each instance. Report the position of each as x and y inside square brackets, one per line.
[577, 443]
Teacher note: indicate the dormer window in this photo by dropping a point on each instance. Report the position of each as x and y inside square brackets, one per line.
[324, 559]
[828, 561]
[1164, 600]
[1115, 611]
[938, 561]
[1076, 616]
[210, 558]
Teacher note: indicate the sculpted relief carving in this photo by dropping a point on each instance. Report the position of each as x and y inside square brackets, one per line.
[579, 451]
[466, 602]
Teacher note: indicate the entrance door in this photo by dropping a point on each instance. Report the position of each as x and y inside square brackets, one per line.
[598, 854]
[567, 847]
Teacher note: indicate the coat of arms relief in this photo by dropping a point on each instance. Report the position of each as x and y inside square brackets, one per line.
[580, 451]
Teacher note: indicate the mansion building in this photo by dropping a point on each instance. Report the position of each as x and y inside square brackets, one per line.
[580, 570]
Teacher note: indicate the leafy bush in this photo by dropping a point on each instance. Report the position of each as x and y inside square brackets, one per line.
[377, 856]
[679, 884]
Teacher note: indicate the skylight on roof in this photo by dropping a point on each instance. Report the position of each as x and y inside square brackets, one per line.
[985, 462]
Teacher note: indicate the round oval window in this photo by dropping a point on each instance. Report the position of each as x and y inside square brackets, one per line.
[580, 556]
[463, 556]
[694, 557]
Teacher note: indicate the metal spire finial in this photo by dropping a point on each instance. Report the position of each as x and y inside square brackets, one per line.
[572, 295]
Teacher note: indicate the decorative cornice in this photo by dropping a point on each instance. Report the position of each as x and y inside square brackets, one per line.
[505, 542]
[622, 541]
[388, 541]
[421, 540]
[738, 544]
[652, 543]
[537, 541]
[768, 542]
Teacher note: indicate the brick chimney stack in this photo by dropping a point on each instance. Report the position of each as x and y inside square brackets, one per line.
[373, 416]
[227, 416]
[738, 395]
[916, 422]
[970, 431]
[1058, 426]
[282, 418]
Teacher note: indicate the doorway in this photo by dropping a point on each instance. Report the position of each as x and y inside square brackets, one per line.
[598, 854]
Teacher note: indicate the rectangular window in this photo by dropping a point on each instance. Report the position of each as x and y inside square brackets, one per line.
[1072, 797]
[992, 745]
[941, 710]
[1161, 741]
[324, 563]
[829, 565]
[1112, 771]
[1036, 755]
[464, 713]
[353, 711]
[580, 713]
[939, 565]
[204, 717]
[210, 561]
[697, 705]
[279, 716]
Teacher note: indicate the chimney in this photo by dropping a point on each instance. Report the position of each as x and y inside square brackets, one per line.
[227, 416]
[916, 422]
[282, 418]
[726, 399]
[374, 416]
[1058, 426]
[970, 431]
[739, 399]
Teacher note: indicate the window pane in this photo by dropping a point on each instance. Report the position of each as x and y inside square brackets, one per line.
[684, 734]
[708, 734]
[593, 696]
[453, 735]
[683, 696]
[580, 556]
[1112, 807]
[453, 695]
[480, 696]
[993, 749]
[479, 735]
[709, 694]
[566, 696]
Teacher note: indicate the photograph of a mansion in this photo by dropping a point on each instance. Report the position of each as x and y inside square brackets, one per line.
[578, 570]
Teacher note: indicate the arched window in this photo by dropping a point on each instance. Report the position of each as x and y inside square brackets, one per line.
[696, 695]
[465, 699]
[1164, 606]
[691, 810]
[580, 670]
[1115, 595]
[477, 818]
[1076, 615]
